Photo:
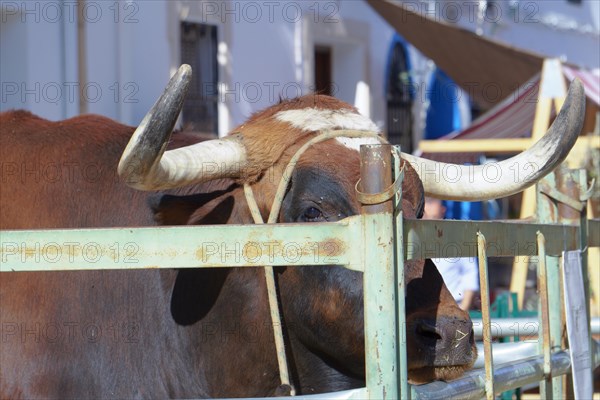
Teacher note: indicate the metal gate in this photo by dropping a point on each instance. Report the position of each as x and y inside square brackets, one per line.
[384, 292]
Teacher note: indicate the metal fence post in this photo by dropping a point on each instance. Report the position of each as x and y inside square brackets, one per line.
[400, 282]
[560, 200]
[547, 212]
[379, 278]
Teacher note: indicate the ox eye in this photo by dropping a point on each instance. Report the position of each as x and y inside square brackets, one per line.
[312, 214]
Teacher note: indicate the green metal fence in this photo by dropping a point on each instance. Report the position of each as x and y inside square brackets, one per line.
[336, 243]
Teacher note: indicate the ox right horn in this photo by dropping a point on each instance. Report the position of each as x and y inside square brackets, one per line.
[145, 165]
[510, 176]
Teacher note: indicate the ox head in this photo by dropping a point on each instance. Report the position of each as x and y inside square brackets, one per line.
[324, 306]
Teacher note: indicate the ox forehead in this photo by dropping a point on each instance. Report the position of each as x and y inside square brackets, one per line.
[206, 332]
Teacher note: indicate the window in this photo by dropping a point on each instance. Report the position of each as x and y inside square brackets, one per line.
[199, 50]
[399, 99]
[323, 83]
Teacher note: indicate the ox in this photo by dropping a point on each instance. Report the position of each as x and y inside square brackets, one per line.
[206, 332]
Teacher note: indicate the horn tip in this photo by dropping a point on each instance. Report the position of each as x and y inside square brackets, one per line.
[184, 69]
[576, 86]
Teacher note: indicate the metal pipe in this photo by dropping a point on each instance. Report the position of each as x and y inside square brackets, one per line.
[507, 352]
[502, 327]
[506, 377]
[381, 369]
[400, 282]
[520, 372]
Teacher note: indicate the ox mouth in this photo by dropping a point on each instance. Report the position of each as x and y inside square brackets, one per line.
[418, 376]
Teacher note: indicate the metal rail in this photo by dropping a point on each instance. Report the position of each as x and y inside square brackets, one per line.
[516, 367]
[251, 245]
[187, 247]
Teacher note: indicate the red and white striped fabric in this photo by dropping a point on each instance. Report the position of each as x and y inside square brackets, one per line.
[513, 117]
[589, 78]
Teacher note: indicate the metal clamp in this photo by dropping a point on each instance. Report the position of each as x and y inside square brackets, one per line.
[553, 193]
[381, 197]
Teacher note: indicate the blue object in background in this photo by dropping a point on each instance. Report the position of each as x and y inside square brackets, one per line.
[463, 210]
[443, 113]
[443, 117]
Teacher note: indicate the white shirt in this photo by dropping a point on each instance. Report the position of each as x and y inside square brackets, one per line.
[460, 274]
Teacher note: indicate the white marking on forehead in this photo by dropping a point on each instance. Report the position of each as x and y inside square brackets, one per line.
[314, 119]
[354, 143]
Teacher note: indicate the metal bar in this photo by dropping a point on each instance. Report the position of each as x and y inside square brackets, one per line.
[517, 372]
[496, 146]
[544, 314]
[507, 377]
[247, 245]
[577, 326]
[593, 230]
[507, 352]
[401, 284]
[381, 369]
[183, 247]
[556, 314]
[450, 238]
[547, 211]
[485, 314]
[583, 229]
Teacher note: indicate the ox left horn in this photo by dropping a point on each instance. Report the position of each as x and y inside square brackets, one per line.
[473, 183]
[145, 165]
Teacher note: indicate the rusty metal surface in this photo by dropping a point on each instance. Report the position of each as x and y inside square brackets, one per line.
[183, 247]
[452, 238]
[381, 367]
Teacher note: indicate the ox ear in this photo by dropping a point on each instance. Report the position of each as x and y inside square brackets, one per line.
[173, 209]
[413, 192]
[195, 293]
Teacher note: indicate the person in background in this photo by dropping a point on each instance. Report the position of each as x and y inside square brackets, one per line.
[460, 273]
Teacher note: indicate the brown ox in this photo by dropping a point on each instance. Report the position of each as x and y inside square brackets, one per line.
[199, 333]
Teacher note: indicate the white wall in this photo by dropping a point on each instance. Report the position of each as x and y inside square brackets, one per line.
[377, 47]
[127, 58]
[266, 51]
[34, 71]
[133, 47]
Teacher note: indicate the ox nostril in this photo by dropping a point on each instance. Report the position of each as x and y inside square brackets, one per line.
[428, 330]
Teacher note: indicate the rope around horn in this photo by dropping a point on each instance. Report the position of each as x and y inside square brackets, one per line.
[284, 375]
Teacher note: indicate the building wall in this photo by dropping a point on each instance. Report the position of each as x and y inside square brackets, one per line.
[265, 50]
[131, 48]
